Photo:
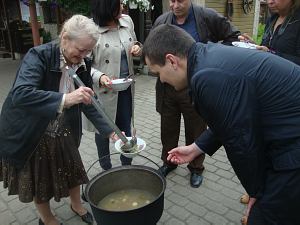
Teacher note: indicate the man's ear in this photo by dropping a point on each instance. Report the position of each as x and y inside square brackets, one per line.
[172, 59]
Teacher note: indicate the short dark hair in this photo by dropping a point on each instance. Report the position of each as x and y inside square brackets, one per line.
[166, 39]
[105, 11]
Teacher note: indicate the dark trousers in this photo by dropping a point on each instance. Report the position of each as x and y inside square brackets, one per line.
[123, 120]
[176, 103]
[280, 203]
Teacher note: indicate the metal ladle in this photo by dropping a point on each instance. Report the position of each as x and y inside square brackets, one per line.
[133, 139]
[129, 146]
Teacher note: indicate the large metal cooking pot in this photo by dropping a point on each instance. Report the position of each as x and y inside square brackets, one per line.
[127, 177]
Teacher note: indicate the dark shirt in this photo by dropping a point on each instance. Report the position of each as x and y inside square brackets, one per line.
[251, 103]
[285, 40]
[189, 25]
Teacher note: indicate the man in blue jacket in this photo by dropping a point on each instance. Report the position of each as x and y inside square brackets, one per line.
[203, 24]
[251, 103]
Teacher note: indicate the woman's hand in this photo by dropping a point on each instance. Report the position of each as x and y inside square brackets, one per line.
[114, 137]
[136, 50]
[105, 81]
[251, 202]
[184, 154]
[80, 95]
[246, 38]
[263, 48]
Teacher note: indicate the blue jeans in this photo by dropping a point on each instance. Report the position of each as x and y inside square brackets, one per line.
[123, 120]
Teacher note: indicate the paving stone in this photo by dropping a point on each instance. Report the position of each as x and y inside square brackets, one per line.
[179, 212]
[3, 206]
[196, 220]
[15, 205]
[174, 221]
[25, 215]
[7, 217]
[215, 219]
[196, 209]
[224, 173]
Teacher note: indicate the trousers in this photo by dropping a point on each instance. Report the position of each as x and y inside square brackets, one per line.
[280, 201]
[175, 104]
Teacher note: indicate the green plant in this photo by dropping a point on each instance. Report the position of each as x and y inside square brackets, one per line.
[260, 33]
[71, 6]
[46, 36]
[75, 6]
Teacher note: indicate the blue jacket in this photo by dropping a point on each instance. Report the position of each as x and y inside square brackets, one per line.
[251, 102]
[34, 100]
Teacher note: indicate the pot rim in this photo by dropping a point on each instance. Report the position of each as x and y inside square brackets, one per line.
[127, 167]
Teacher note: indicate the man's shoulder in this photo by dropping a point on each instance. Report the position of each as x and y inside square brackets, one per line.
[199, 10]
[164, 18]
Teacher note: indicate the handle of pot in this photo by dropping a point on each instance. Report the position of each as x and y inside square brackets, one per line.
[87, 172]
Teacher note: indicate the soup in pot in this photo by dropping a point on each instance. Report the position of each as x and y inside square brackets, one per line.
[126, 199]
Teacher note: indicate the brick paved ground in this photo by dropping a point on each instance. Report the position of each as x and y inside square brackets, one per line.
[216, 202]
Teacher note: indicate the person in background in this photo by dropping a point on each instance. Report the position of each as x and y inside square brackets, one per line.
[281, 37]
[282, 30]
[112, 56]
[250, 101]
[204, 25]
[40, 122]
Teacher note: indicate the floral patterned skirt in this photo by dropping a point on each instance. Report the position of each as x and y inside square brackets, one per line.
[54, 168]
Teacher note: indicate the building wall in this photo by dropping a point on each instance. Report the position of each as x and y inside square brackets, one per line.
[244, 22]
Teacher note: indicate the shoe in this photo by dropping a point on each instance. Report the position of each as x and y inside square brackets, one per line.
[42, 223]
[87, 218]
[245, 199]
[196, 180]
[165, 170]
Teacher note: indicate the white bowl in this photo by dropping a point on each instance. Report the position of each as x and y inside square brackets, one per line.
[120, 84]
[140, 142]
[244, 44]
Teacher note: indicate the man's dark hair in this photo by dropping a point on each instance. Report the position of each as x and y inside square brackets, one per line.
[105, 11]
[166, 39]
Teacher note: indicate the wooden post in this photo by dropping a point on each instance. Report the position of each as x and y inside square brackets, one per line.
[34, 23]
[8, 30]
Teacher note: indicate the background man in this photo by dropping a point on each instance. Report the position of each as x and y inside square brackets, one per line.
[203, 25]
[250, 101]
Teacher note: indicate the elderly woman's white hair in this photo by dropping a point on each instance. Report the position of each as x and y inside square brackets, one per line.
[80, 26]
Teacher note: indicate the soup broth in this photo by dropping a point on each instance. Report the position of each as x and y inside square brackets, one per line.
[126, 200]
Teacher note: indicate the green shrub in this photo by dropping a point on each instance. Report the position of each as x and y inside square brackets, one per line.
[260, 33]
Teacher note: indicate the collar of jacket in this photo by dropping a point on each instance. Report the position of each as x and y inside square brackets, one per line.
[190, 66]
[199, 19]
[122, 23]
[55, 56]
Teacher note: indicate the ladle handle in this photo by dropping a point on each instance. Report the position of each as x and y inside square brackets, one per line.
[98, 107]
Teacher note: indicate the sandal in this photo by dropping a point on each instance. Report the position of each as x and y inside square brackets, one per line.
[87, 218]
[42, 223]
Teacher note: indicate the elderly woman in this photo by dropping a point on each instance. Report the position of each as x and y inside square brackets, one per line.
[113, 57]
[40, 123]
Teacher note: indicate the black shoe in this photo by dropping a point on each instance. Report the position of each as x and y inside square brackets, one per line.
[87, 218]
[165, 170]
[196, 180]
[42, 223]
